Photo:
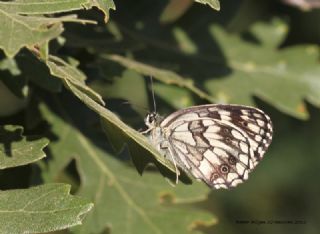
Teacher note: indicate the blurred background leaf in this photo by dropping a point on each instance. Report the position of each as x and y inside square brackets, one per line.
[267, 73]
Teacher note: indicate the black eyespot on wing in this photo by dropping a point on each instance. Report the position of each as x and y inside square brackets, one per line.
[232, 160]
[224, 168]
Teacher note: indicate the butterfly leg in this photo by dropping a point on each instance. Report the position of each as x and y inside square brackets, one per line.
[175, 166]
[145, 131]
[169, 154]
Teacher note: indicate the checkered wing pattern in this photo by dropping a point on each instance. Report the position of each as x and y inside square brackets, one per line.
[218, 144]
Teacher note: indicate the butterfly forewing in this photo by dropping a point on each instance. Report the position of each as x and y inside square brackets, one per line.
[218, 144]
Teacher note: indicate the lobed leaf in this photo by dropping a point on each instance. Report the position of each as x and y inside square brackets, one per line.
[276, 76]
[28, 28]
[44, 208]
[17, 150]
[124, 201]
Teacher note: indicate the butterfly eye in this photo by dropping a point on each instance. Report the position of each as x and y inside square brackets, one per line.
[151, 117]
[224, 168]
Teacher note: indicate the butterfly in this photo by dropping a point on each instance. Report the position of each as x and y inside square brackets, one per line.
[217, 144]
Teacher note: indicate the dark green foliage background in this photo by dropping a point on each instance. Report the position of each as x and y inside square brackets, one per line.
[264, 54]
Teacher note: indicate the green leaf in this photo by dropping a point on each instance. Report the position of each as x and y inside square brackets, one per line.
[279, 77]
[249, 12]
[174, 10]
[272, 74]
[43, 208]
[232, 68]
[74, 81]
[176, 97]
[71, 75]
[40, 76]
[122, 87]
[165, 76]
[104, 6]
[9, 102]
[35, 30]
[121, 133]
[27, 28]
[9, 65]
[16, 84]
[36, 7]
[17, 150]
[124, 201]
[215, 4]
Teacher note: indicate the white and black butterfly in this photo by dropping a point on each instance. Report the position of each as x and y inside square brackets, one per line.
[218, 144]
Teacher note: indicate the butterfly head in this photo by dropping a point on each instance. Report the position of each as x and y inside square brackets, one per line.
[152, 119]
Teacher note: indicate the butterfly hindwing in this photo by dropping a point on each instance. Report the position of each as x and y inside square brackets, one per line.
[218, 144]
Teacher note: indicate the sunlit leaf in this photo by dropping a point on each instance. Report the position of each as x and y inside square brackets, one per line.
[16, 149]
[103, 5]
[215, 4]
[38, 209]
[28, 28]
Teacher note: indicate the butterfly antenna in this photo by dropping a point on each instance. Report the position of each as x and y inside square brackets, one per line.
[153, 96]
